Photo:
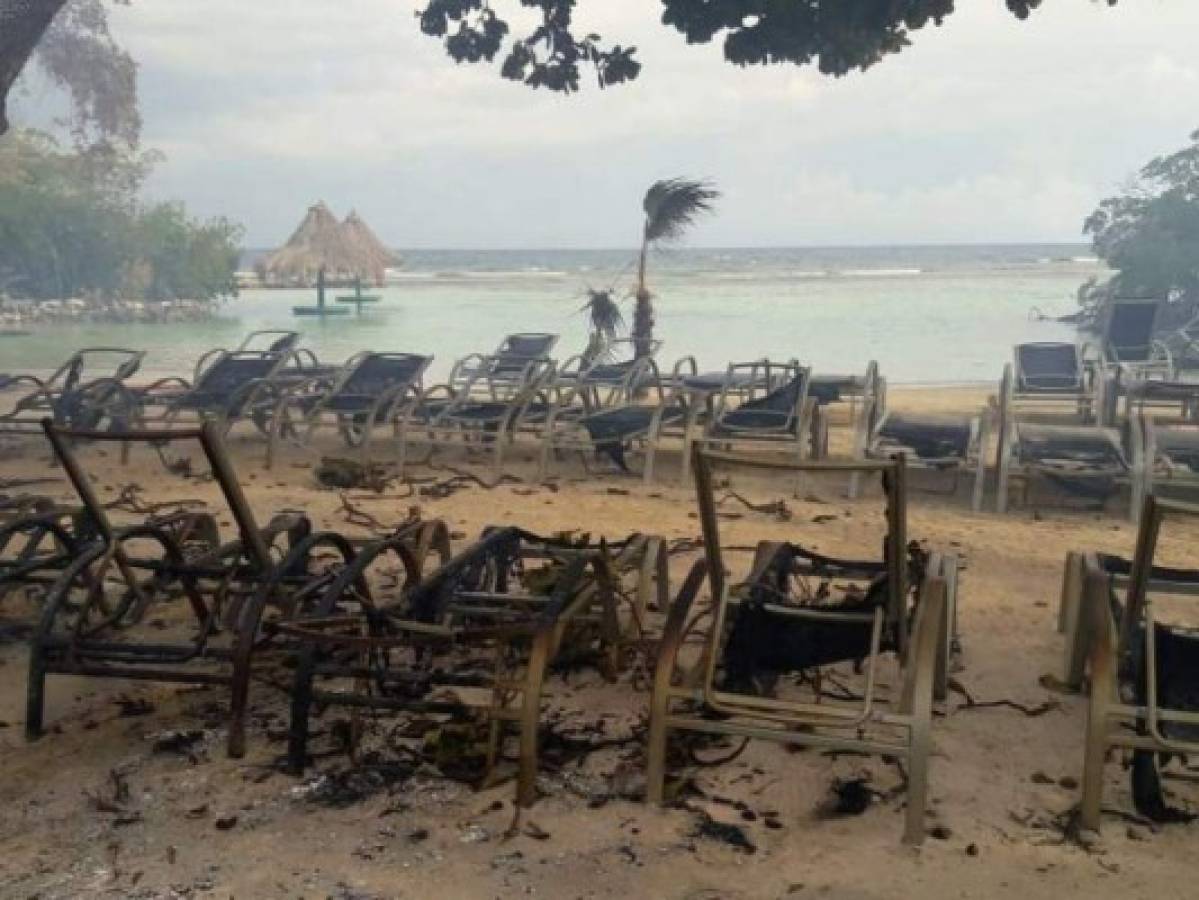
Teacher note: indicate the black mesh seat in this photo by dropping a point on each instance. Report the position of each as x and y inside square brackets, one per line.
[928, 437]
[1047, 367]
[775, 412]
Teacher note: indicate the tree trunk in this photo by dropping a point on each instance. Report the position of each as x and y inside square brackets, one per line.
[643, 309]
[22, 24]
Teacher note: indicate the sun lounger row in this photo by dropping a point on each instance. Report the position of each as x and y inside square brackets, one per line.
[605, 406]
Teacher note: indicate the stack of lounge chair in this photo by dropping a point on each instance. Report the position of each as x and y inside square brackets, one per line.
[939, 443]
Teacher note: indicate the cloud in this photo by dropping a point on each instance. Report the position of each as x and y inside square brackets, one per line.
[986, 129]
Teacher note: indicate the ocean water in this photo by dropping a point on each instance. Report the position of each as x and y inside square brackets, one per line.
[926, 314]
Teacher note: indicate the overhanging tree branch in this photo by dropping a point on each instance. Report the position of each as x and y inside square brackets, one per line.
[22, 24]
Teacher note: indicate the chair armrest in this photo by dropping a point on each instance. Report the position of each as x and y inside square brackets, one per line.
[676, 372]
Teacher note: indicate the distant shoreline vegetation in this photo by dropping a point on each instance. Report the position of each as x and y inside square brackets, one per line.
[74, 231]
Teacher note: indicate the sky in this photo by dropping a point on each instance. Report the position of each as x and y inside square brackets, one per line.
[986, 130]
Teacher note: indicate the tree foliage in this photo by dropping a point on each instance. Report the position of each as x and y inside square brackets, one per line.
[549, 56]
[838, 36]
[1150, 235]
[71, 225]
[75, 51]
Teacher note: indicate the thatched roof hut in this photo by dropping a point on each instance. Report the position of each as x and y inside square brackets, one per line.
[346, 251]
[372, 252]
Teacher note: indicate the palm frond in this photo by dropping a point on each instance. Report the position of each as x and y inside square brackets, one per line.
[603, 313]
[672, 205]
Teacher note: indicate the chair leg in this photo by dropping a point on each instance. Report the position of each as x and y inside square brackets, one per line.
[800, 456]
[980, 469]
[301, 708]
[401, 442]
[655, 776]
[920, 745]
[530, 716]
[35, 696]
[1001, 485]
[364, 451]
[1095, 751]
[547, 452]
[497, 462]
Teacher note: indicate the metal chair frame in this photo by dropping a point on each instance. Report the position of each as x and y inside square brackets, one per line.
[228, 587]
[1108, 646]
[901, 729]
[522, 633]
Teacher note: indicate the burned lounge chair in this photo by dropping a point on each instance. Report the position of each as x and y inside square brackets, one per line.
[1143, 669]
[801, 612]
[477, 637]
[38, 539]
[152, 603]
[87, 391]
[366, 393]
[1089, 462]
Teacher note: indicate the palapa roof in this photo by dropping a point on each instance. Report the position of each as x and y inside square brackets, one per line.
[346, 250]
[358, 235]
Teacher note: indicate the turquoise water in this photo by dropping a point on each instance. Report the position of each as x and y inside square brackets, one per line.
[927, 314]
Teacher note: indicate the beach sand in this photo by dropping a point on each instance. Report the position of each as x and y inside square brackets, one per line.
[208, 826]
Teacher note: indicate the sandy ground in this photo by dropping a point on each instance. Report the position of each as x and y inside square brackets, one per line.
[197, 824]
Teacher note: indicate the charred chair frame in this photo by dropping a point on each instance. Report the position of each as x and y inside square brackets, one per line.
[1121, 649]
[72, 398]
[922, 651]
[448, 609]
[228, 588]
[37, 545]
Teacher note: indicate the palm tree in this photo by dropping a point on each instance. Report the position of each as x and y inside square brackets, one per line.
[605, 319]
[670, 207]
